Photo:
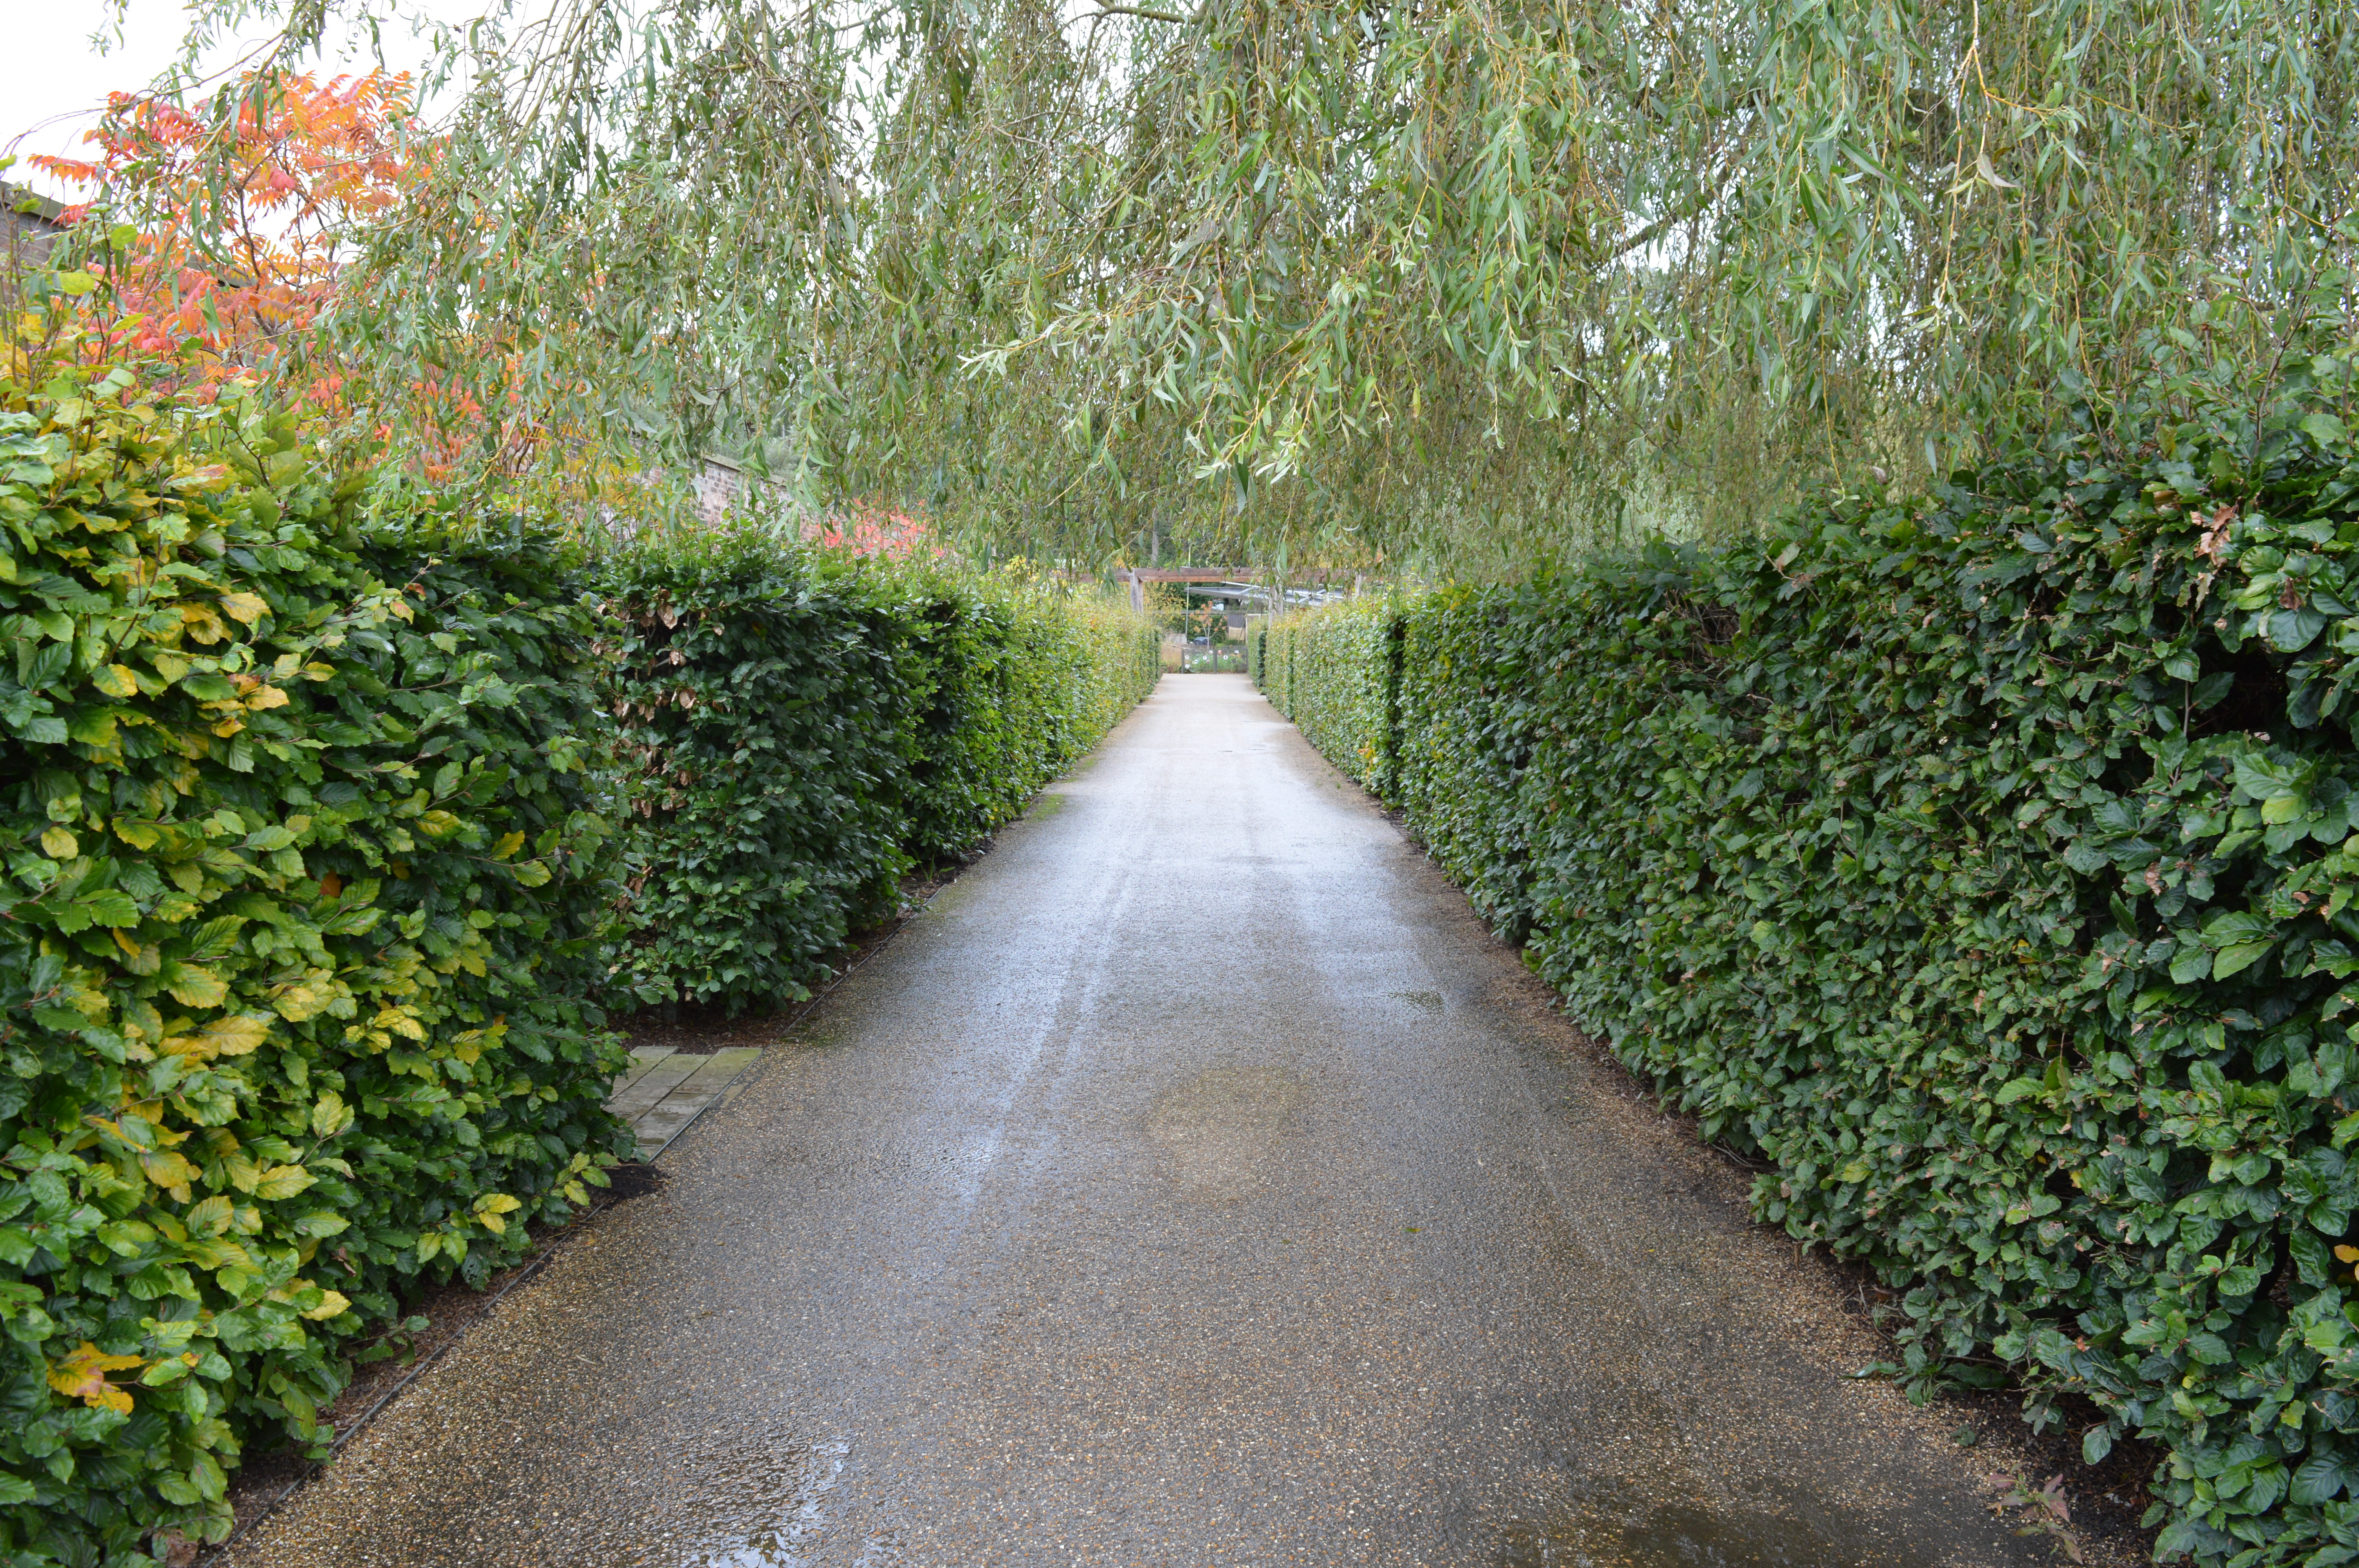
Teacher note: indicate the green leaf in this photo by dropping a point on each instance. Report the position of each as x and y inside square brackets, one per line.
[92, 726]
[2324, 428]
[2238, 959]
[2320, 1479]
[2283, 808]
[109, 908]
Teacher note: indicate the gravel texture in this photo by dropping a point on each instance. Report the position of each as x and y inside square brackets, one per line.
[1196, 1182]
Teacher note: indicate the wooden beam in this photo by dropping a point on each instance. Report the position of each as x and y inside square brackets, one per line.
[1301, 577]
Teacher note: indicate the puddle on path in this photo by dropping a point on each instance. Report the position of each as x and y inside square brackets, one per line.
[778, 1504]
[774, 1515]
[1431, 1001]
[1218, 1127]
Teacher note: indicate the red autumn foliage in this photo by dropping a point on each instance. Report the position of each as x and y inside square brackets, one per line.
[869, 529]
[233, 254]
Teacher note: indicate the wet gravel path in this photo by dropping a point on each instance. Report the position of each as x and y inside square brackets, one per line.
[1195, 1182]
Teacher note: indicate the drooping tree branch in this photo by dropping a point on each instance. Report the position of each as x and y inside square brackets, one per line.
[1350, 275]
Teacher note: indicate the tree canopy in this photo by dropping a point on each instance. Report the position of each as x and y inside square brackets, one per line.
[1455, 281]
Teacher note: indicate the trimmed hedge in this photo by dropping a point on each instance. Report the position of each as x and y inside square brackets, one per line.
[761, 753]
[300, 906]
[1341, 684]
[1984, 861]
[796, 731]
[311, 892]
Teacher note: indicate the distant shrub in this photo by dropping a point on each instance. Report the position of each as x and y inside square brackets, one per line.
[1341, 686]
[797, 728]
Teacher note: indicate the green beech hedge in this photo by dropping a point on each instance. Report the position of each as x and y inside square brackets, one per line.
[312, 894]
[1983, 862]
[1342, 681]
[796, 732]
[301, 900]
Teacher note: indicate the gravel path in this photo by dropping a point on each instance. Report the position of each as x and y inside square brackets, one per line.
[1195, 1181]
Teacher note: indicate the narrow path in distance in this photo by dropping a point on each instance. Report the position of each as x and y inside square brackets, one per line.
[1196, 1182]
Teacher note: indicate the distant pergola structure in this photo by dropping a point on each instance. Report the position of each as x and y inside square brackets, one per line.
[1311, 586]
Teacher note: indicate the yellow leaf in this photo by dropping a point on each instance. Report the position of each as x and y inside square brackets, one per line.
[330, 1116]
[202, 623]
[138, 834]
[282, 1182]
[233, 1036]
[59, 843]
[236, 1034]
[265, 697]
[508, 845]
[210, 1252]
[2348, 1254]
[115, 680]
[493, 1223]
[167, 1169]
[247, 608]
[130, 1136]
[210, 1217]
[333, 1303]
[83, 1376]
[193, 987]
[297, 1002]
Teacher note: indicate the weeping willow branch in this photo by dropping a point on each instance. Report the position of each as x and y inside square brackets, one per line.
[1456, 279]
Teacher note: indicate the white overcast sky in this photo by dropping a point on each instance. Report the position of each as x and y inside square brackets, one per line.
[54, 80]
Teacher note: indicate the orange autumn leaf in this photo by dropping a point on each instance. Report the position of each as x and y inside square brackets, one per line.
[223, 274]
[83, 1376]
[872, 528]
[245, 214]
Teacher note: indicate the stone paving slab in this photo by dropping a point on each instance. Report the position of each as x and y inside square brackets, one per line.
[665, 1089]
[642, 1058]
